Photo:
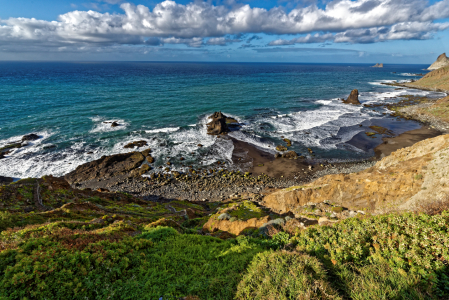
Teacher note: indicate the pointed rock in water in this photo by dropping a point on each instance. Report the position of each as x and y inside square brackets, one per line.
[218, 124]
[353, 98]
[441, 62]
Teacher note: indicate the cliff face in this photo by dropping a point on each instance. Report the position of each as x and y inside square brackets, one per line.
[404, 180]
[441, 62]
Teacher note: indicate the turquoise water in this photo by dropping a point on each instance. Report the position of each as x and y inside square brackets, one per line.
[167, 105]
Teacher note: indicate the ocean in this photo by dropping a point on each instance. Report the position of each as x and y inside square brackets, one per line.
[167, 105]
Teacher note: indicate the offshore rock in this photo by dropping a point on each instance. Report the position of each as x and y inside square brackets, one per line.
[441, 62]
[353, 98]
[30, 137]
[378, 66]
[106, 167]
[137, 144]
[218, 124]
[406, 179]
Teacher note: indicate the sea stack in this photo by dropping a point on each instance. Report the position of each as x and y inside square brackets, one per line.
[378, 66]
[441, 62]
[218, 124]
[353, 98]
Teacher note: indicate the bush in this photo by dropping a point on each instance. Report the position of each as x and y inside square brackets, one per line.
[7, 220]
[410, 243]
[285, 275]
[170, 265]
[380, 281]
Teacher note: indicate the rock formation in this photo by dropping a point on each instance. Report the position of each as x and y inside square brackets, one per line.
[109, 166]
[378, 66]
[404, 180]
[441, 62]
[30, 137]
[353, 98]
[219, 124]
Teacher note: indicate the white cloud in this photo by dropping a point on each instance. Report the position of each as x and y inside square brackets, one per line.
[171, 22]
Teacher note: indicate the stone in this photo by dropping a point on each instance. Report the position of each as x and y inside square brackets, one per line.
[218, 124]
[30, 137]
[137, 144]
[106, 167]
[290, 155]
[281, 148]
[353, 98]
[146, 152]
[150, 159]
[115, 124]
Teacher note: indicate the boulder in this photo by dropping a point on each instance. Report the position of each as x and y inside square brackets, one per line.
[137, 144]
[115, 124]
[30, 137]
[106, 167]
[281, 148]
[353, 98]
[290, 154]
[218, 124]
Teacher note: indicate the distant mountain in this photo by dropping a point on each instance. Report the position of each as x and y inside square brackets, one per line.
[378, 66]
[441, 61]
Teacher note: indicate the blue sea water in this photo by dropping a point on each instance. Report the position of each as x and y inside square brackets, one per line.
[167, 104]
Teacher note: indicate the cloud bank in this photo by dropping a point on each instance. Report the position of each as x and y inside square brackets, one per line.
[200, 23]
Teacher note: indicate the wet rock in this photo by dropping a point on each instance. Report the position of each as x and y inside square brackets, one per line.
[30, 137]
[106, 167]
[281, 148]
[150, 159]
[353, 98]
[218, 124]
[115, 124]
[137, 144]
[290, 155]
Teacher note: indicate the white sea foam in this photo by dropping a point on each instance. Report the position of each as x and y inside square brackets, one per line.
[102, 124]
[164, 130]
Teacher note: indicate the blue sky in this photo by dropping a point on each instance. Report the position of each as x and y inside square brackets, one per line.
[358, 31]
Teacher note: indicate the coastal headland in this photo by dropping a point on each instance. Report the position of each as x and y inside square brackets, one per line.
[376, 228]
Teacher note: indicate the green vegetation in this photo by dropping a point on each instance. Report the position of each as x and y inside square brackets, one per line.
[285, 275]
[83, 244]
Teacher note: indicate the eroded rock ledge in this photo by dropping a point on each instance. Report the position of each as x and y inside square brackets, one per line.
[404, 180]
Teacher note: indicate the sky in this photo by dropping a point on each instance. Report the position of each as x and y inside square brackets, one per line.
[312, 31]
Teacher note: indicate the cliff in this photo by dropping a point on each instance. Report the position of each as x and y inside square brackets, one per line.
[441, 62]
[402, 181]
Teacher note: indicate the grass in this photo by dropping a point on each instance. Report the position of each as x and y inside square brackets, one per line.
[142, 250]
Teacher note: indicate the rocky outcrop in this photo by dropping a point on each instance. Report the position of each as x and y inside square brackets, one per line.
[217, 125]
[109, 166]
[442, 61]
[235, 227]
[353, 98]
[378, 66]
[406, 179]
[137, 144]
[30, 137]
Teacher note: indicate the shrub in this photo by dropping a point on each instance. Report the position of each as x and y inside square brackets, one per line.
[285, 275]
[7, 220]
[380, 281]
[415, 244]
[159, 233]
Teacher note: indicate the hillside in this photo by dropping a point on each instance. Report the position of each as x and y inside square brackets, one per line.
[441, 62]
[437, 80]
[58, 242]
